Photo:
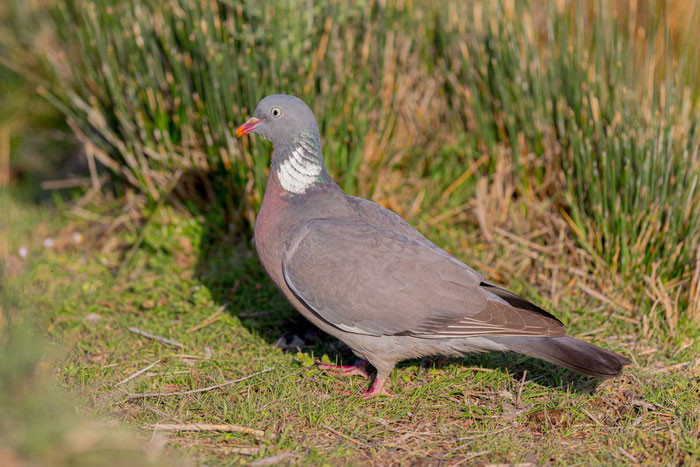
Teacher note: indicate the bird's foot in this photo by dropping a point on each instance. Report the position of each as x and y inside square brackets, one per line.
[359, 369]
[377, 389]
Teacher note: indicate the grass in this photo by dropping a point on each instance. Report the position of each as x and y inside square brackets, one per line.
[489, 408]
[595, 105]
[41, 423]
[552, 146]
[35, 142]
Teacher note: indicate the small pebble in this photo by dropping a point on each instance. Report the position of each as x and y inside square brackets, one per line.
[290, 343]
[92, 317]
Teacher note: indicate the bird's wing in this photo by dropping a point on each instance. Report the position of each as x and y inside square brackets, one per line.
[366, 280]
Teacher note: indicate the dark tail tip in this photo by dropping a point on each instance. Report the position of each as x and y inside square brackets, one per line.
[570, 353]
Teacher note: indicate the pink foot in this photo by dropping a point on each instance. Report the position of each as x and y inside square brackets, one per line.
[377, 389]
[359, 369]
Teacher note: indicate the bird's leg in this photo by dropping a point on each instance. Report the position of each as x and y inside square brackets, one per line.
[359, 369]
[377, 388]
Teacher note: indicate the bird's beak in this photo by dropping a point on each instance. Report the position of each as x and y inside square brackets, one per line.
[248, 126]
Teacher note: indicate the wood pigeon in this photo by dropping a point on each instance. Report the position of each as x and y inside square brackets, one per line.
[362, 274]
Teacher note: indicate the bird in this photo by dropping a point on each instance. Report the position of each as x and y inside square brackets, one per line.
[364, 275]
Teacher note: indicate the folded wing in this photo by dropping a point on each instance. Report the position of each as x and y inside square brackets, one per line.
[366, 280]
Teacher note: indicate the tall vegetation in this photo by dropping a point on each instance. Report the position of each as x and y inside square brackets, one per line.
[595, 105]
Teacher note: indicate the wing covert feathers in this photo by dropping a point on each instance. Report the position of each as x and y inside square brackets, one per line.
[367, 280]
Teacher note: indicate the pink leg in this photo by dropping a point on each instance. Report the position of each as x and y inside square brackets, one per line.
[359, 369]
[377, 388]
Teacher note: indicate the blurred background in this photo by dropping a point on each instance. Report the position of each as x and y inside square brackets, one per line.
[549, 143]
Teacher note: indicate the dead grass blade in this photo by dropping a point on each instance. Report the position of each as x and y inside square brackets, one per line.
[273, 459]
[195, 391]
[694, 294]
[602, 298]
[344, 436]
[74, 182]
[207, 427]
[660, 295]
[465, 175]
[138, 373]
[164, 340]
[209, 320]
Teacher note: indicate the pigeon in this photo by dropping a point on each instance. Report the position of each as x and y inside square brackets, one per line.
[364, 275]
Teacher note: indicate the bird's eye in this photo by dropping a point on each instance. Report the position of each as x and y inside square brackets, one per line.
[276, 112]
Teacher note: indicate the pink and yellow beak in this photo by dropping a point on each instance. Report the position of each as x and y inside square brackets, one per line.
[248, 126]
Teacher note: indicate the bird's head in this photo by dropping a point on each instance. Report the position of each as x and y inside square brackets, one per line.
[281, 119]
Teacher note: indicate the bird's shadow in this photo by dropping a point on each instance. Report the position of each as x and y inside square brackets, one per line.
[228, 266]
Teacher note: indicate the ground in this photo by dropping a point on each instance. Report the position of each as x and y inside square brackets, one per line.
[204, 289]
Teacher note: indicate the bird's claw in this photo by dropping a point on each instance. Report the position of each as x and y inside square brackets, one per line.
[358, 369]
[377, 389]
[366, 394]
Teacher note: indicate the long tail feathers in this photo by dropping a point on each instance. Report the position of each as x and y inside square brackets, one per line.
[568, 352]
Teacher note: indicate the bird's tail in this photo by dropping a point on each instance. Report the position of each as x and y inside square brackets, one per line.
[568, 352]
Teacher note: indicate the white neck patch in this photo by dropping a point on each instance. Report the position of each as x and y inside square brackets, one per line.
[299, 171]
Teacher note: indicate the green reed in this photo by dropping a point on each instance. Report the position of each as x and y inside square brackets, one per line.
[596, 109]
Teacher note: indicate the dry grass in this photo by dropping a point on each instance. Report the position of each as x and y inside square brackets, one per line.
[436, 133]
[603, 96]
[479, 409]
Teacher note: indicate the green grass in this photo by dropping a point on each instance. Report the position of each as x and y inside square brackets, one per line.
[554, 149]
[595, 105]
[621, 129]
[443, 411]
[41, 422]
